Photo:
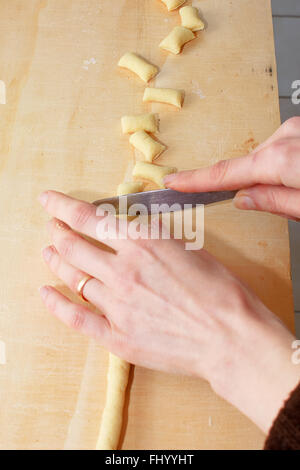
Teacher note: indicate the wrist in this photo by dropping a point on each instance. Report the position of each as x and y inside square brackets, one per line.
[260, 374]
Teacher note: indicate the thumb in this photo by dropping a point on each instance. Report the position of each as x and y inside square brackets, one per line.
[274, 199]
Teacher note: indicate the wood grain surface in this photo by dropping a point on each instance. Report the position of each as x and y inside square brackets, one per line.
[60, 129]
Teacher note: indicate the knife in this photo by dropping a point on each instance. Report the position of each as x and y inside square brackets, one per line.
[162, 200]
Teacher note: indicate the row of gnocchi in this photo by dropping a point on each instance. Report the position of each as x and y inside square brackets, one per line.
[141, 125]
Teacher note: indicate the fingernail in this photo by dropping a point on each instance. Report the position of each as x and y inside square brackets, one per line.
[43, 198]
[44, 291]
[169, 178]
[47, 253]
[244, 202]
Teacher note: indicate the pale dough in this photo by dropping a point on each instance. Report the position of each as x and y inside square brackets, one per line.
[176, 39]
[164, 95]
[151, 172]
[118, 369]
[112, 417]
[173, 4]
[129, 188]
[190, 18]
[149, 147]
[138, 65]
[117, 376]
[147, 122]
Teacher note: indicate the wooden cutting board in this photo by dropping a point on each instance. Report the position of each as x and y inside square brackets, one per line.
[60, 129]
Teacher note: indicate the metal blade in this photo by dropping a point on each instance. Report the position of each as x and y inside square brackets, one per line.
[162, 200]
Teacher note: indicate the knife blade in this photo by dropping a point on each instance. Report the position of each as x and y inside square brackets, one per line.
[162, 200]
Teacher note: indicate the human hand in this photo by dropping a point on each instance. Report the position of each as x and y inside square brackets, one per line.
[268, 178]
[169, 309]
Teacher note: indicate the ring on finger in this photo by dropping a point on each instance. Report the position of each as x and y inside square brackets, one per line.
[81, 285]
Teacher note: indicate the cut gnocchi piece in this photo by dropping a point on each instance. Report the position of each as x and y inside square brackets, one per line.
[190, 18]
[138, 65]
[129, 188]
[147, 122]
[176, 39]
[151, 172]
[173, 4]
[164, 95]
[149, 147]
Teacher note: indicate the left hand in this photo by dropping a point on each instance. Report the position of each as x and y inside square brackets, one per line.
[169, 309]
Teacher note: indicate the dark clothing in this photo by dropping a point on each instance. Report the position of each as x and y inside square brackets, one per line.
[285, 431]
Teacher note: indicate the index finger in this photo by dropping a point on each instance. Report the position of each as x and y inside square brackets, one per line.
[262, 166]
[81, 216]
[276, 164]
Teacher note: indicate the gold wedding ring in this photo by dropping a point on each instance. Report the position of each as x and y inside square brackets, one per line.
[81, 285]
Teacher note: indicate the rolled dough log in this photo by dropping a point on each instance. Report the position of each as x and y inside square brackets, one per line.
[112, 417]
[117, 377]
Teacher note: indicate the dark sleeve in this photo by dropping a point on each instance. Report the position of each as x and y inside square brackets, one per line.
[285, 431]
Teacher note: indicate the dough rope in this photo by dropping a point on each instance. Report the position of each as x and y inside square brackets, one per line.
[138, 126]
[117, 375]
[112, 417]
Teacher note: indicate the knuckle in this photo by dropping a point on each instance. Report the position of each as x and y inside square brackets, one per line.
[66, 247]
[266, 198]
[77, 318]
[292, 124]
[51, 302]
[124, 283]
[283, 151]
[286, 151]
[75, 279]
[278, 147]
[133, 276]
[126, 345]
[126, 280]
[239, 295]
[271, 200]
[219, 171]
[55, 262]
[81, 214]
[143, 249]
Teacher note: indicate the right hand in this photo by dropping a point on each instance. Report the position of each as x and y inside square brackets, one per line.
[268, 178]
